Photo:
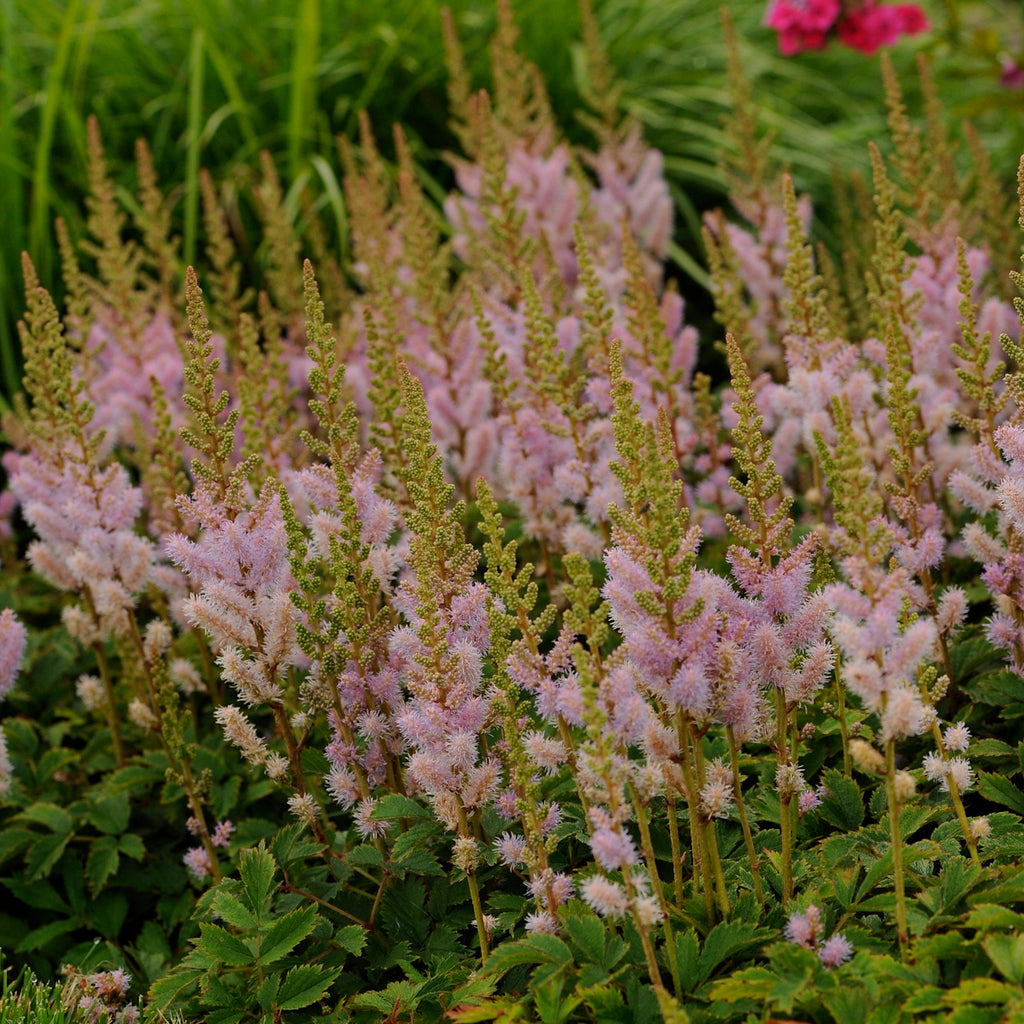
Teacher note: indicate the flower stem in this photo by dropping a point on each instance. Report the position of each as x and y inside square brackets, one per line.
[897, 847]
[474, 890]
[741, 809]
[843, 728]
[677, 853]
[110, 707]
[652, 869]
[700, 860]
[785, 817]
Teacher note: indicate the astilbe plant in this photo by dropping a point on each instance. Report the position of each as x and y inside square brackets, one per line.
[480, 630]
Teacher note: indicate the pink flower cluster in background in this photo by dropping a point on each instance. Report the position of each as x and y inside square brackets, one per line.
[811, 24]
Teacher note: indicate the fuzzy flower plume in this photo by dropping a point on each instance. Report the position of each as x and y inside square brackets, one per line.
[439, 656]
[881, 657]
[239, 572]
[83, 517]
[13, 638]
[444, 714]
[124, 361]
[1003, 572]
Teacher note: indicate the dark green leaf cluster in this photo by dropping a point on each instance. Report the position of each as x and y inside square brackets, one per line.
[248, 967]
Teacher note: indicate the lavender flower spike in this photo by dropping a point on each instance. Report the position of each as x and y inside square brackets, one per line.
[12, 649]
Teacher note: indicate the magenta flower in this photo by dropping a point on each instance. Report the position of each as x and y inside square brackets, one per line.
[1011, 74]
[875, 25]
[809, 24]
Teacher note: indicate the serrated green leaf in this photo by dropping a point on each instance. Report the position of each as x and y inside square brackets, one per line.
[534, 949]
[134, 778]
[992, 750]
[588, 934]
[220, 944]
[226, 1015]
[167, 990]
[38, 938]
[751, 983]
[41, 894]
[878, 868]
[256, 869]
[55, 818]
[843, 806]
[366, 856]
[132, 846]
[417, 862]
[726, 940]
[304, 985]
[927, 998]
[14, 840]
[233, 911]
[417, 837]
[847, 1005]
[1000, 790]
[111, 814]
[1009, 890]
[102, 862]
[1007, 953]
[286, 933]
[402, 993]
[44, 854]
[266, 994]
[394, 805]
[403, 914]
[842, 849]
[351, 938]
[980, 990]
[989, 917]
[292, 843]
[506, 1009]
[552, 1006]
[607, 1003]
[688, 959]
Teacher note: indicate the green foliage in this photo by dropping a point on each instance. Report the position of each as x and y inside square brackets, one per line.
[249, 966]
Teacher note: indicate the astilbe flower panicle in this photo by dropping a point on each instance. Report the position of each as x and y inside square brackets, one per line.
[13, 639]
[788, 655]
[439, 655]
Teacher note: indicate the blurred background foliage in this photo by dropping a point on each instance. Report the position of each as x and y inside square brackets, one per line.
[211, 83]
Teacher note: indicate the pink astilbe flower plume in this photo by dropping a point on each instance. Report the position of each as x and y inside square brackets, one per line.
[13, 638]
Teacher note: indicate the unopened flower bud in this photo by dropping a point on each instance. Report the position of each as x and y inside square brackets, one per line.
[465, 854]
[980, 829]
[90, 692]
[866, 757]
[141, 715]
[905, 787]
